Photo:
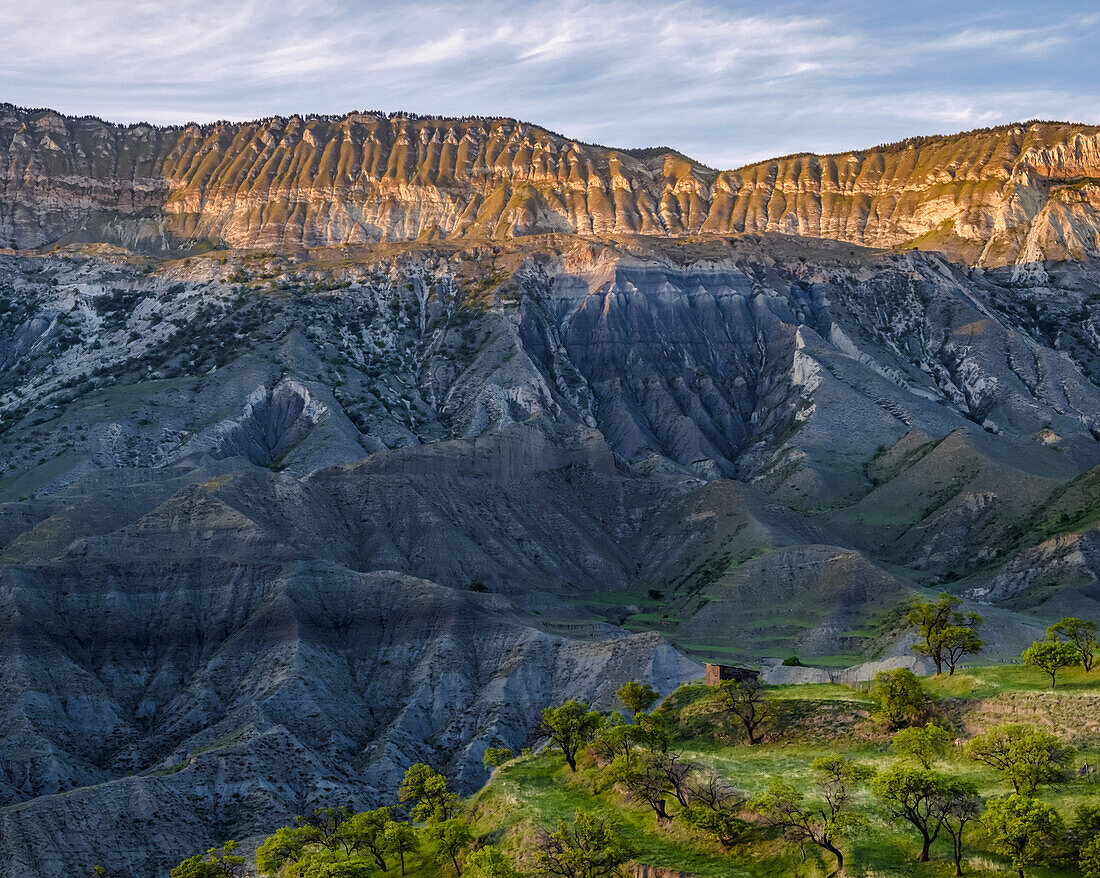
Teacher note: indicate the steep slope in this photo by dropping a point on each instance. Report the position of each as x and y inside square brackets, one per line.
[1019, 194]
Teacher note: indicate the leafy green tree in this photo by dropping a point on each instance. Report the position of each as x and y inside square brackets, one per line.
[613, 739]
[1051, 656]
[570, 728]
[956, 641]
[636, 697]
[402, 840]
[1080, 633]
[823, 824]
[643, 781]
[721, 823]
[216, 864]
[429, 792]
[491, 862]
[920, 797]
[586, 847]
[962, 806]
[1086, 833]
[366, 832]
[497, 756]
[938, 626]
[1026, 757]
[749, 702]
[453, 837]
[650, 732]
[285, 846]
[1088, 860]
[1025, 829]
[926, 744]
[351, 868]
[321, 825]
[901, 700]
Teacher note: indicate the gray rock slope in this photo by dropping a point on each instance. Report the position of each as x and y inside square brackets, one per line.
[274, 527]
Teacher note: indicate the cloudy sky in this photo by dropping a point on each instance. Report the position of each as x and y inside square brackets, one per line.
[726, 82]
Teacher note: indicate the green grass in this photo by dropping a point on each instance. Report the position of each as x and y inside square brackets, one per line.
[539, 790]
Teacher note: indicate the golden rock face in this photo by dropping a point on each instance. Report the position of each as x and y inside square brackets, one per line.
[1015, 194]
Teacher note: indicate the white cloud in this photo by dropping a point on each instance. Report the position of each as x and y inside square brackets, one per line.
[726, 81]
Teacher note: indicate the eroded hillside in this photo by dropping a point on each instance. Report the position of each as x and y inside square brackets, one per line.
[1015, 195]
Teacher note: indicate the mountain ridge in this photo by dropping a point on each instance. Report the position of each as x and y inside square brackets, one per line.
[1016, 195]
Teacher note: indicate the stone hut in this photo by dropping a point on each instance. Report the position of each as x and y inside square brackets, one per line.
[717, 673]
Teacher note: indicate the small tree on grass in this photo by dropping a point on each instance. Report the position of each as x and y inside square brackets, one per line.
[916, 797]
[1026, 757]
[429, 792]
[749, 702]
[720, 823]
[491, 862]
[285, 846]
[1051, 656]
[1025, 829]
[495, 757]
[901, 700]
[925, 798]
[636, 697]
[826, 824]
[322, 826]
[366, 832]
[1086, 838]
[926, 744]
[216, 864]
[453, 837]
[945, 633]
[570, 728]
[402, 840]
[586, 847]
[962, 806]
[1080, 633]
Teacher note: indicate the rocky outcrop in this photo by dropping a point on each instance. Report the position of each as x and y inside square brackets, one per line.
[1018, 194]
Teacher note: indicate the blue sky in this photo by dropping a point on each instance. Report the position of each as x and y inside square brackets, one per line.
[725, 82]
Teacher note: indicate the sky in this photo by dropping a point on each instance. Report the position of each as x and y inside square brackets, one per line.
[724, 82]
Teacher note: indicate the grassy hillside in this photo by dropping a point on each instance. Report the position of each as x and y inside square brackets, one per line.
[533, 792]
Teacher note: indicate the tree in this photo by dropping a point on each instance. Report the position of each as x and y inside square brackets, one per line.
[613, 739]
[357, 868]
[956, 641]
[1023, 828]
[1051, 656]
[723, 824]
[925, 743]
[321, 826]
[1026, 757]
[430, 793]
[749, 702]
[900, 697]
[1088, 860]
[934, 621]
[1080, 633]
[366, 831]
[636, 697]
[402, 840]
[587, 847]
[497, 756]
[650, 732]
[822, 825]
[286, 845]
[491, 863]
[453, 837]
[216, 864]
[962, 806]
[570, 728]
[916, 796]
[652, 777]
